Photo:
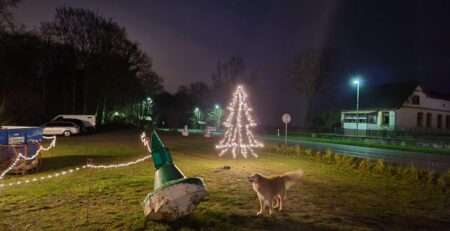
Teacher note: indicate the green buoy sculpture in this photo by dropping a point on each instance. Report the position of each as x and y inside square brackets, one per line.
[174, 195]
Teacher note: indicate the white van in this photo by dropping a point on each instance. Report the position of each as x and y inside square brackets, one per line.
[88, 120]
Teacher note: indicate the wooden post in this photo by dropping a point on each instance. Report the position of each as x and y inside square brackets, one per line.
[89, 162]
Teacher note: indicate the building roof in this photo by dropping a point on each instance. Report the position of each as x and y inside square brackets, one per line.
[439, 95]
[386, 96]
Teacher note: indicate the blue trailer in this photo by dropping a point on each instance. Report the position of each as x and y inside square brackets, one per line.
[15, 140]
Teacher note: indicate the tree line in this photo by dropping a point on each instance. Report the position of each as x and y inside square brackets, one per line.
[198, 103]
[78, 63]
[83, 63]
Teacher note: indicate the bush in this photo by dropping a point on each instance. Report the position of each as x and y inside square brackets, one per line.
[329, 157]
[365, 165]
[298, 150]
[443, 182]
[431, 178]
[308, 153]
[379, 166]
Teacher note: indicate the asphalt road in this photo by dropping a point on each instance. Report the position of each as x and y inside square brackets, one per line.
[437, 162]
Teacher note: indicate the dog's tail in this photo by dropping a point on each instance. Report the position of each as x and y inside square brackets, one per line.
[291, 178]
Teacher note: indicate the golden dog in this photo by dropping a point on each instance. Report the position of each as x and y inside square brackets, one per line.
[273, 187]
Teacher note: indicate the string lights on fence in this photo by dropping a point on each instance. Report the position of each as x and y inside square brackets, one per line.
[144, 140]
[41, 148]
[21, 156]
[119, 165]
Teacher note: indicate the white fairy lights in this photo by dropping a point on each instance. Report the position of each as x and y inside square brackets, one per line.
[144, 140]
[35, 179]
[21, 156]
[234, 138]
[119, 165]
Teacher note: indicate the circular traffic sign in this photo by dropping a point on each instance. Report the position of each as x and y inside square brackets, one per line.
[286, 118]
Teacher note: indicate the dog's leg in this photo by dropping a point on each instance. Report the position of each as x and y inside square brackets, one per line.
[280, 198]
[270, 206]
[277, 203]
[261, 205]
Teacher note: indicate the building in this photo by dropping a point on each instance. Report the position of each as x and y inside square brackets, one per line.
[405, 106]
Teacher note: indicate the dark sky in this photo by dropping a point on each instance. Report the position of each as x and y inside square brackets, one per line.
[382, 41]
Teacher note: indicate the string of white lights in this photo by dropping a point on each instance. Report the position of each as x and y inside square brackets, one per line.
[144, 140]
[233, 137]
[41, 148]
[35, 179]
[119, 165]
[21, 156]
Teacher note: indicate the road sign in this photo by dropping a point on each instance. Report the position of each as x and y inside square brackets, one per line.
[286, 119]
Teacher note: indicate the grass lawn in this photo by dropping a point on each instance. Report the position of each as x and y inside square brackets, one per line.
[328, 199]
[445, 151]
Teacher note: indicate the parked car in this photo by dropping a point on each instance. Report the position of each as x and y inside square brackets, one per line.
[65, 128]
[88, 120]
[78, 122]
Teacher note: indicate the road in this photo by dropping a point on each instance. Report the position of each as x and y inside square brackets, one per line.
[437, 162]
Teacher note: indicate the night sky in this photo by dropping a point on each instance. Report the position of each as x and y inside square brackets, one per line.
[382, 41]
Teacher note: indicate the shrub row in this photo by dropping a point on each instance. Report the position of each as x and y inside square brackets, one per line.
[409, 173]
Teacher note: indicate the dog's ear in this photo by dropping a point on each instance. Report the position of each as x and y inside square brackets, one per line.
[256, 177]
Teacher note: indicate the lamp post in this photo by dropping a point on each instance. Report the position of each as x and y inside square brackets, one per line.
[197, 116]
[357, 82]
[218, 114]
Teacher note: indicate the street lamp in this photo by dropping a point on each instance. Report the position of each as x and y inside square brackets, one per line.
[197, 116]
[218, 114]
[357, 82]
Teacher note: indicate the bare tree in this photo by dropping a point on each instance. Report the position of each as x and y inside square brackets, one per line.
[200, 93]
[106, 62]
[227, 75]
[91, 36]
[6, 22]
[310, 74]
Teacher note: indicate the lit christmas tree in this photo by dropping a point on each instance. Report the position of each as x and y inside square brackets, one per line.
[238, 137]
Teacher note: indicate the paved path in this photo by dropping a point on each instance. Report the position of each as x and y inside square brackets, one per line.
[437, 162]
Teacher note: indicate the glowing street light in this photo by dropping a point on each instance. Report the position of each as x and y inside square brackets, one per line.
[357, 82]
[218, 114]
[197, 116]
